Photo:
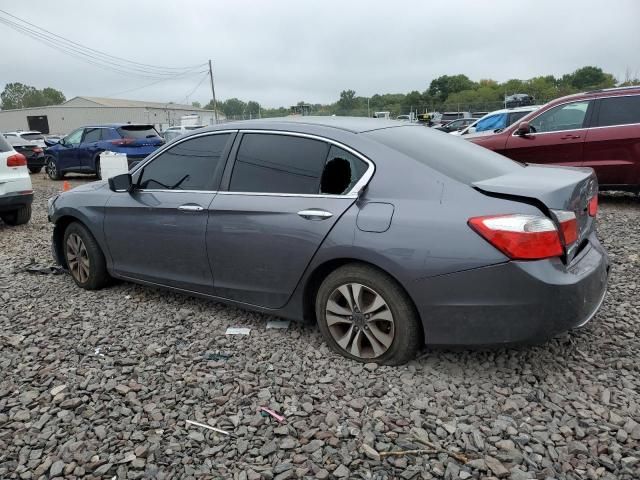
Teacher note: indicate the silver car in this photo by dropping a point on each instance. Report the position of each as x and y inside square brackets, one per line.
[388, 235]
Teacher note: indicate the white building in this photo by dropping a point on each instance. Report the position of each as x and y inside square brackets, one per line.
[80, 111]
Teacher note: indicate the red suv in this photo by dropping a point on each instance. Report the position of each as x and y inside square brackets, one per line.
[599, 129]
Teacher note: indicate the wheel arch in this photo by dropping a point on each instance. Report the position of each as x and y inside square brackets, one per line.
[320, 272]
[59, 228]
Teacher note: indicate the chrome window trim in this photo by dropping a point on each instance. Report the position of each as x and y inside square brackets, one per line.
[602, 97]
[353, 193]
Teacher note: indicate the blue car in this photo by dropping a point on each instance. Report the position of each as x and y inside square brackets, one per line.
[79, 152]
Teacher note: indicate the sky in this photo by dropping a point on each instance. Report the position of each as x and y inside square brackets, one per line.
[281, 52]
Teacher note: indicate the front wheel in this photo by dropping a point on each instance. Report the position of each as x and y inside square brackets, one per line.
[84, 258]
[98, 168]
[52, 169]
[365, 315]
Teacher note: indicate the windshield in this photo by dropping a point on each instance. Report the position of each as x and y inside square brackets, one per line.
[138, 131]
[492, 122]
[32, 136]
[460, 160]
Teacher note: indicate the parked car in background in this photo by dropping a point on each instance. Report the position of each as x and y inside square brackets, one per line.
[33, 136]
[456, 125]
[496, 120]
[598, 129]
[173, 132]
[80, 151]
[447, 117]
[16, 192]
[478, 114]
[33, 152]
[404, 118]
[387, 234]
[518, 100]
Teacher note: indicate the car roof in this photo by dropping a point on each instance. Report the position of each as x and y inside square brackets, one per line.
[604, 92]
[118, 125]
[349, 124]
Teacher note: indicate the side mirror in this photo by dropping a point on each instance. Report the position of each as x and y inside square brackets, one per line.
[50, 142]
[121, 183]
[523, 129]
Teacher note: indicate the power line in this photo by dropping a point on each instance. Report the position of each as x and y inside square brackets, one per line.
[186, 97]
[90, 52]
[154, 83]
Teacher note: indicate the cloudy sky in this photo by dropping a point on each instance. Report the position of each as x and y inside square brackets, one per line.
[281, 52]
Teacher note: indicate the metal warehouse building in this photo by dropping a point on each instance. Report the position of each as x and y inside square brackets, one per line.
[80, 111]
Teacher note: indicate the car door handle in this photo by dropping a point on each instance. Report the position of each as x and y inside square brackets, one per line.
[315, 214]
[190, 208]
[570, 137]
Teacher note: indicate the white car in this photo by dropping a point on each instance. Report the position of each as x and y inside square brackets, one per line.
[173, 132]
[32, 136]
[495, 120]
[16, 192]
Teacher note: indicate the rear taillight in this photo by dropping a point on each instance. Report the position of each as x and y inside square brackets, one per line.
[16, 160]
[568, 226]
[123, 141]
[593, 206]
[520, 237]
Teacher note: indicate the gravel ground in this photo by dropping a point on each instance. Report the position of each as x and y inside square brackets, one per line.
[100, 385]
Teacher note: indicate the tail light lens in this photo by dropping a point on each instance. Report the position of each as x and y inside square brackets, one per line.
[16, 160]
[593, 206]
[520, 237]
[568, 226]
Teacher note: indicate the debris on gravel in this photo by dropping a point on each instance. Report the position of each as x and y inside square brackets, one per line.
[101, 384]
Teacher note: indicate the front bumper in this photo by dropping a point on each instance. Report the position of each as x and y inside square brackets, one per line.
[13, 201]
[514, 302]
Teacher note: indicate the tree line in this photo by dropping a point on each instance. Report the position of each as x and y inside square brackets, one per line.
[445, 93]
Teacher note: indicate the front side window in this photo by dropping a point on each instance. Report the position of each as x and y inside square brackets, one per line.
[515, 116]
[619, 111]
[189, 165]
[570, 116]
[74, 138]
[267, 163]
[92, 135]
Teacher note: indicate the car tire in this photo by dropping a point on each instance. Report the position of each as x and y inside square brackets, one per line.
[17, 217]
[84, 258]
[382, 326]
[97, 166]
[35, 169]
[52, 169]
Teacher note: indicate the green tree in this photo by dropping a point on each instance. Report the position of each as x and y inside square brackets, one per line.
[441, 87]
[196, 104]
[253, 109]
[589, 77]
[19, 95]
[347, 100]
[233, 108]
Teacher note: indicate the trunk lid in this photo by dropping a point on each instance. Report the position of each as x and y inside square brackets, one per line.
[557, 188]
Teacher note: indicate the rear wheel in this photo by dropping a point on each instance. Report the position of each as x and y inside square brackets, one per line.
[52, 169]
[17, 217]
[84, 258]
[35, 169]
[98, 168]
[365, 315]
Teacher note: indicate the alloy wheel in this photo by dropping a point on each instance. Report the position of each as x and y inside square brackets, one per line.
[359, 320]
[77, 258]
[50, 167]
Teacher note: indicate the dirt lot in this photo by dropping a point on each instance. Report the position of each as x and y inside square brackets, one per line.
[100, 384]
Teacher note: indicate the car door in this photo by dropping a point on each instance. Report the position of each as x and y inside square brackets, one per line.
[612, 146]
[156, 233]
[88, 148]
[67, 154]
[281, 195]
[557, 136]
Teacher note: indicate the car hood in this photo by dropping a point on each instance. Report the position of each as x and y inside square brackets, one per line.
[90, 187]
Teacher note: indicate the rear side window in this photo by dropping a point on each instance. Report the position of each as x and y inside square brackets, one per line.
[341, 172]
[32, 136]
[4, 145]
[92, 135]
[268, 163]
[619, 111]
[457, 159]
[137, 131]
[190, 165]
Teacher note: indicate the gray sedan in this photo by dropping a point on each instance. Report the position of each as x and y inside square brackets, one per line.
[386, 234]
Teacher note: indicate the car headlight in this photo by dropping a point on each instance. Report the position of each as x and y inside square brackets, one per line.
[50, 205]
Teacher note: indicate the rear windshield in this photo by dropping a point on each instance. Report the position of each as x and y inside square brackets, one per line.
[4, 146]
[193, 127]
[32, 136]
[138, 131]
[452, 156]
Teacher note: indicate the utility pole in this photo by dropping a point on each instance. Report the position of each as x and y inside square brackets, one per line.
[213, 92]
